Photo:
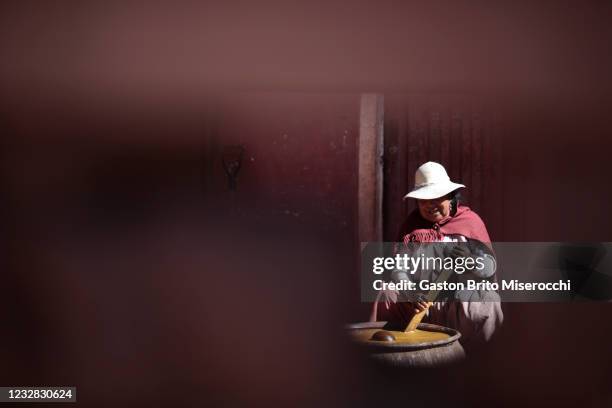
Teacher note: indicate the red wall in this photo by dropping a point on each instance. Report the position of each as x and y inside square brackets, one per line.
[534, 167]
[299, 161]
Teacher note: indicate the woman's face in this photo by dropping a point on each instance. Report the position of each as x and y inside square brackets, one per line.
[435, 210]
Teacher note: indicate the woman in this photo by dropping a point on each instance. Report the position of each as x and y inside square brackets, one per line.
[441, 218]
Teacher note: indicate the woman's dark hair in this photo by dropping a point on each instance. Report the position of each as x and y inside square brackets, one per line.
[455, 199]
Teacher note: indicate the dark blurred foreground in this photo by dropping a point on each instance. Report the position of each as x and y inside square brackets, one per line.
[177, 306]
[131, 271]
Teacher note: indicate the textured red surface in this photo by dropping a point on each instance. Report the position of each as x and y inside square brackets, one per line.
[123, 269]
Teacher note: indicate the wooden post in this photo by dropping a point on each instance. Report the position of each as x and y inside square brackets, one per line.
[370, 163]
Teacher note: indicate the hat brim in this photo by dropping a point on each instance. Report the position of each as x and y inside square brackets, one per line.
[433, 191]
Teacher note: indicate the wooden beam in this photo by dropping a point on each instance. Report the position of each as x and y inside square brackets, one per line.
[370, 163]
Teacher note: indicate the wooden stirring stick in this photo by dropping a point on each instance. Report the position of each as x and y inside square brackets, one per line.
[416, 319]
[431, 296]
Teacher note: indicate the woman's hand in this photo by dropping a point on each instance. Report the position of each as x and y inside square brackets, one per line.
[390, 296]
[460, 251]
[420, 305]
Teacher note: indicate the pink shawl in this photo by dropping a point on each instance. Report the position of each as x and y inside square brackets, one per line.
[465, 222]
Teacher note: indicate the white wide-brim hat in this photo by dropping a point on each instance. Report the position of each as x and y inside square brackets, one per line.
[431, 181]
